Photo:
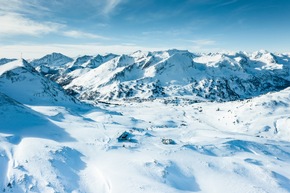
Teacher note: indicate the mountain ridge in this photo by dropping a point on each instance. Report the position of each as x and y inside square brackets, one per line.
[168, 74]
[171, 142]
[173, 73]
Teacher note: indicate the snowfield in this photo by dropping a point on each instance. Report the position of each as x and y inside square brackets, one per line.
[50, 142]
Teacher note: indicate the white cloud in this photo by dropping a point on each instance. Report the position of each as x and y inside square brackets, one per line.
[20, 6]
[227, 3]
[17, 24]
[16, 18]
[9, 5]
[204, 42]
[128, 44]
[111, 5]
[80, 34]
[37, 51]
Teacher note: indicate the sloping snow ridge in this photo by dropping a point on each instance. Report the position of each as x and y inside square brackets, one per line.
[19, 80]
[167, 121]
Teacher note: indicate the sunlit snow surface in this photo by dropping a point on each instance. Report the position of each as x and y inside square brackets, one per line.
[49, 142]
[220, 147]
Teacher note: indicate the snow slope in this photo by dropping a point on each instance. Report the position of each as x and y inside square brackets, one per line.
[78, 150]
[20, 81]
[78, 67]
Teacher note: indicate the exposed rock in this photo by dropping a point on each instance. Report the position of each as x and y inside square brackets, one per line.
[168, 141]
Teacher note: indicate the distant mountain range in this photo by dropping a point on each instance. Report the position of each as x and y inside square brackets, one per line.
[167, 74]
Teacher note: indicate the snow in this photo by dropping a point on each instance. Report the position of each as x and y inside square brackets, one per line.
[10, 66]
[76, 150]
[61, 146]
[175, 73]
[53, 60]
[21, 82]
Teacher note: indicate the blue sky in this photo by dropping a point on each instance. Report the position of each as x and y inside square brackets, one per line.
[37, 27]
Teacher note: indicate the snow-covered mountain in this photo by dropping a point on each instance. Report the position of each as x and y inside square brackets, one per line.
[80, 66]
[50, 144]
[170, 74]
[176, 73]
[20, 81]
[52, 60]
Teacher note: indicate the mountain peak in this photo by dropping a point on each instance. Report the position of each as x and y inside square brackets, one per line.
[20, 81]
[13, 65]
[174, 51]
[53, 59]
[260, 53]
